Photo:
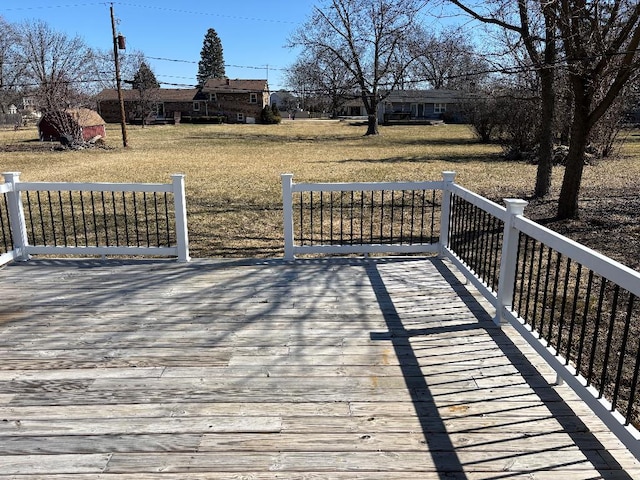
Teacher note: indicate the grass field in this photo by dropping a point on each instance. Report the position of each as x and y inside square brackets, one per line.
[233, 171]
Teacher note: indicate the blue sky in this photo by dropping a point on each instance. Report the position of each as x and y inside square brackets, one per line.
[170, 33]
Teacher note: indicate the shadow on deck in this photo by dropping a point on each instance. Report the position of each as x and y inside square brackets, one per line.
[340, 368]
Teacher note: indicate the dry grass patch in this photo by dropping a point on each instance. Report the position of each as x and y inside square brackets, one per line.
[233, 171]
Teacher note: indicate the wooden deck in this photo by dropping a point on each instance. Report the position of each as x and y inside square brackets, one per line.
[384, 369]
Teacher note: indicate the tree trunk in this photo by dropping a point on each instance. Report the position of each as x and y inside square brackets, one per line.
[545, 151]
[568, 201]
[372, 124]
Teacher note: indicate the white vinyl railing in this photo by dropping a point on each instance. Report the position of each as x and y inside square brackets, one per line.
[93, 219]
[579, 309]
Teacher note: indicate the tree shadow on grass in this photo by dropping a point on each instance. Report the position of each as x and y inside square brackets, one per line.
[423, 159]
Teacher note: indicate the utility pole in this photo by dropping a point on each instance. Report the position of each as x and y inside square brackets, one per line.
[119, 42]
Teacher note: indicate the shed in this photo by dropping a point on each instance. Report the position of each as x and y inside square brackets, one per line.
[89, 121]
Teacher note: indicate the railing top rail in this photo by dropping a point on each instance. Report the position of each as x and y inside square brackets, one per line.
[604, 266]
[95, 187]
[366, 186]
[487, 205]
[5, 187]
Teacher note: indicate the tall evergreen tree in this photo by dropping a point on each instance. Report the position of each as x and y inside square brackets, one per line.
[145, 79]
[211, 63]
[147, 85]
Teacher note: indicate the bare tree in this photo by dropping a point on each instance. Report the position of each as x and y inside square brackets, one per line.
[534, 23]
[59, 68]
[367, 38]
[11, 68]
[447, 60]
[325, 77]
[601, 40]
[104, 66]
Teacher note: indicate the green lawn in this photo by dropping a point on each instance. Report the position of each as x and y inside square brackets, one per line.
[233, 171]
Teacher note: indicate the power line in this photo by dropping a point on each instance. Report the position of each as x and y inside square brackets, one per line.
[151, 7]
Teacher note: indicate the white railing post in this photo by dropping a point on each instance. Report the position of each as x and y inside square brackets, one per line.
[445, 211]
[180, 203]
[287, 210]
[508, 259]
[16, 216]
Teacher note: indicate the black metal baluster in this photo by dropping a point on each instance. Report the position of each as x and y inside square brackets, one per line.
[574, 313]
[622, 353]
[432, 236]
[381, 215]
[33, 230]
[545, 294]
[322, 240]
[155, 206]
[413, 218]
[402, 218]
[104, 219]
[166, 217]
[73, 219]
[62, 220]
[95, 220]
[585, 317]
[146, 216]
[84, 220]
[607, 353]
[563, 307]
[362, 217]
[594, 339]
[135, 216]
[53, 222]
[126, 220]
[302, 242]
[115, 217]
[351, 206]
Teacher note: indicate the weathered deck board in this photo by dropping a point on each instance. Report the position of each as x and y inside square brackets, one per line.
[314, 369]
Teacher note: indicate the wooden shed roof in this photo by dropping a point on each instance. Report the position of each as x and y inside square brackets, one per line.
[84, 117]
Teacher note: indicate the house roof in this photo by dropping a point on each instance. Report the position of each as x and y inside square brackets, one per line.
[426, 96]
[228, 85]
[84, 117]
[158, 94]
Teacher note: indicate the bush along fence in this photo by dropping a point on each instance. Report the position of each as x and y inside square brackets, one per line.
[579, 309]
[92, 219]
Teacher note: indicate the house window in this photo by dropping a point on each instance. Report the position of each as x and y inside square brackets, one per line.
[213, 97]
[196, 106]
[439, 107]
[253, 98]
[240, 117]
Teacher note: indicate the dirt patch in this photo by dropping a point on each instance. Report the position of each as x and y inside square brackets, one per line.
[609, 222]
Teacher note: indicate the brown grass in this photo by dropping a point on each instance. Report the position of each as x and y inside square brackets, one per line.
[233, 171]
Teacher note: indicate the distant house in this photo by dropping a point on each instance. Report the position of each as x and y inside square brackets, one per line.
[88, 121]
[414, 106]
[169, 105]
[225, 100]
[239, 101]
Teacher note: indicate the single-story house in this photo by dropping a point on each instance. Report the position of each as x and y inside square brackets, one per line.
[412, 106]
[89, 121]
[239, 101]
[420, 106]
